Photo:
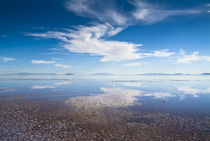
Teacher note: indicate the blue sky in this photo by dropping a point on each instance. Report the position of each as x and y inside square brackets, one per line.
[116, 36]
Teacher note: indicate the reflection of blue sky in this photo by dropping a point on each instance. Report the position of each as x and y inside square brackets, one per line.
[115, 92]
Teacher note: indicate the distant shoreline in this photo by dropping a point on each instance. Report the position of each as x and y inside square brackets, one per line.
[103, 74]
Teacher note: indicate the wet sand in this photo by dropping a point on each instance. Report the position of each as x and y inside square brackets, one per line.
[26, 119]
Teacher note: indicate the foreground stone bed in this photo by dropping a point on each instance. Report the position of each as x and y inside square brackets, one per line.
[23, 119]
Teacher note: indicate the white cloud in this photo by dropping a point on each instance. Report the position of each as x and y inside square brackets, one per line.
[6, 59]
[42, 62]
[132, 64]
[43, 87]
[50, 62]
[111, 12]
[57, 59]
[92, 40]
[112, 97]
[159, 53]
[184, 58]
[105, 11]
[150, 13]
[62, 66]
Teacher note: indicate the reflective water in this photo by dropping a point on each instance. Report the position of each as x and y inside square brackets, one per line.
[189, 92]
[184, 95]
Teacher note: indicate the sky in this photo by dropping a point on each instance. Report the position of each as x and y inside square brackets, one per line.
[115, 36]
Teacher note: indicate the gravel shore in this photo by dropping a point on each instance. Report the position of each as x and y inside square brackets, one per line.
[37, 120]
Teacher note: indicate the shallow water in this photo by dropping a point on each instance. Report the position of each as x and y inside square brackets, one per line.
[105, 107]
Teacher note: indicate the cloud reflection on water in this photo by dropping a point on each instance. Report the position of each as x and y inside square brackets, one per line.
[111, 97]
[133, 84]
[62, 83]
[51, 86]
[187, 90]
[160, 94]
[5, 90]
[43, 87]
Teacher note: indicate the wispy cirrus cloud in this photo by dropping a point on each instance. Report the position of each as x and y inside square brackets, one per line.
[106, 11]
[94, 39]
[50, 62]
[91, 39]
[42, 62]
[57, 59]
[132, 64]
[62, 66]
[142, 11]
[152, 13]
[185, 58]
[6, 59]
[159, 53]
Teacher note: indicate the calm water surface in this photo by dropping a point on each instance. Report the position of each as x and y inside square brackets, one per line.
[141, 100]
[171, 93]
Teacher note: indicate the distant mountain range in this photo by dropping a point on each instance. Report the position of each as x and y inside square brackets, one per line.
[172, 74]
[154, 74]
[164, 74]
[69, 74]
[26, 73]
[205, 74]
[103, 74]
